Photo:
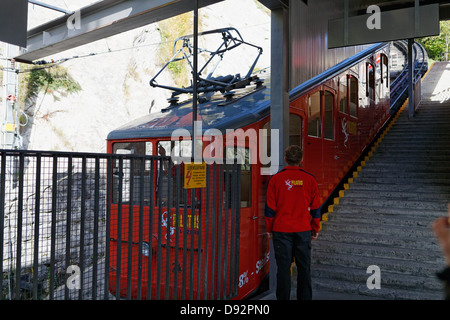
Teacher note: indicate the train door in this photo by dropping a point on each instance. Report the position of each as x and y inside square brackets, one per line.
[248, 242]
[328, 140]
[346, 121]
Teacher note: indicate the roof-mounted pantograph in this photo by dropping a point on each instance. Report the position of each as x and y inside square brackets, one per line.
[183, 50]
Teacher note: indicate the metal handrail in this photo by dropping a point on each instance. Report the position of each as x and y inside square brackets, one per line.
[399, 86]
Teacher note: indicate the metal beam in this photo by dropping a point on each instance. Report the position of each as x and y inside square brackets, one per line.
[100, 20]
[414, 22]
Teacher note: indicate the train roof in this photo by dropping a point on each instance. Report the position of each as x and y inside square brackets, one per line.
[246, 106]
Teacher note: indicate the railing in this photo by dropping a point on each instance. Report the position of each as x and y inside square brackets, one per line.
[64, 233]
[399, 87]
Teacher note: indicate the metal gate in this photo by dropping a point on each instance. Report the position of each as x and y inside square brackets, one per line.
[79, 226]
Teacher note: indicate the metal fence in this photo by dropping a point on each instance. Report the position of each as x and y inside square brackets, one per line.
[79, 226]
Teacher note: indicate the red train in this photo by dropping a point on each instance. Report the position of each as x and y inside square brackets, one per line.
[334, 117]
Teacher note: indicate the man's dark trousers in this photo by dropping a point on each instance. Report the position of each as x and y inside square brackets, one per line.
[286, 245]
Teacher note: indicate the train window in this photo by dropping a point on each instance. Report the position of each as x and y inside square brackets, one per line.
[243, 157]
[178, 150]
[370, 82]
[385, 71]
[343, 95]
[353, 98]
[295, 129]
[328, 123]
[132, 148]
[314, 116]
[127, 173]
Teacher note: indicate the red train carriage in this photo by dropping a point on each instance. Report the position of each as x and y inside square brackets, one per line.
[333, 117]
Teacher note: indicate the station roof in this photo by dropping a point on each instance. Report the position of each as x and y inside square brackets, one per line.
[358, 7]
[100, 20]
[109, 17]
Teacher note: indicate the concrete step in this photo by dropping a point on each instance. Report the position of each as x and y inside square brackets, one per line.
[383, 210]
[425, 166]
[407, 220]
[444, 182]
[393, 241]
[405, 188]
[394, 194]
[401, 175]
[384, 293]
[391, 265]
[382, 230]
[323, 247]
[359, 276]
[397, 203]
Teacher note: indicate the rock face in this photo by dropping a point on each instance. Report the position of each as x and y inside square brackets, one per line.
[115, 80]
[55, 222]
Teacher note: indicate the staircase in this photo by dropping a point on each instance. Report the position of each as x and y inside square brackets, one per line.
[384, 217]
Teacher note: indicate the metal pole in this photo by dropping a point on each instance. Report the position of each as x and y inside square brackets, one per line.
[8, 126]
[410, 79]
[44, 5]
[194, 84]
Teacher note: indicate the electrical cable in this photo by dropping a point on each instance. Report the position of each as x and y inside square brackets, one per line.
[52, 63]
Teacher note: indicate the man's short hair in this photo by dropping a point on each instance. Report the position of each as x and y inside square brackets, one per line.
[293, 154]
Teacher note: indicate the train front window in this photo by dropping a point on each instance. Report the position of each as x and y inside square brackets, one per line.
[128, 172]
[176, 149]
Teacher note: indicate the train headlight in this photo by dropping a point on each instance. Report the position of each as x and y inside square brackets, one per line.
[146, 250]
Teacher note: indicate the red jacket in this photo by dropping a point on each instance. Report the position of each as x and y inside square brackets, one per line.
[292, 201]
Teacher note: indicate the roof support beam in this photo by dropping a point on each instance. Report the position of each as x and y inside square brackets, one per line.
[100, 20]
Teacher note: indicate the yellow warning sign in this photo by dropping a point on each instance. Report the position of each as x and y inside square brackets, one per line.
[195, 175]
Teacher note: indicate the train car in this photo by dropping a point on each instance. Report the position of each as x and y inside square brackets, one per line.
[333, 117]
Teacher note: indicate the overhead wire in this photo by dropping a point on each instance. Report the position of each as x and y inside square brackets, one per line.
[52, 63]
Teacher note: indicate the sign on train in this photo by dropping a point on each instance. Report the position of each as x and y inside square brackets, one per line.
[195, 175]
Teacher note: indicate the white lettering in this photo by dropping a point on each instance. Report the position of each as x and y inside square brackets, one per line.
[374, 21]
[197, 310]
[74, 21]
[73, 282]
[374, 281]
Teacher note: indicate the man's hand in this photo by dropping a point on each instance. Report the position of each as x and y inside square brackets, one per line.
[314, 235]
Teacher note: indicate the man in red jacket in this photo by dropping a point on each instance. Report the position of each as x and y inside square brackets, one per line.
[293, 218]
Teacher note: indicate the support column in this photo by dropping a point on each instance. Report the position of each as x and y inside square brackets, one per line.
[8, 126]
[410, 78]
[279, 108]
